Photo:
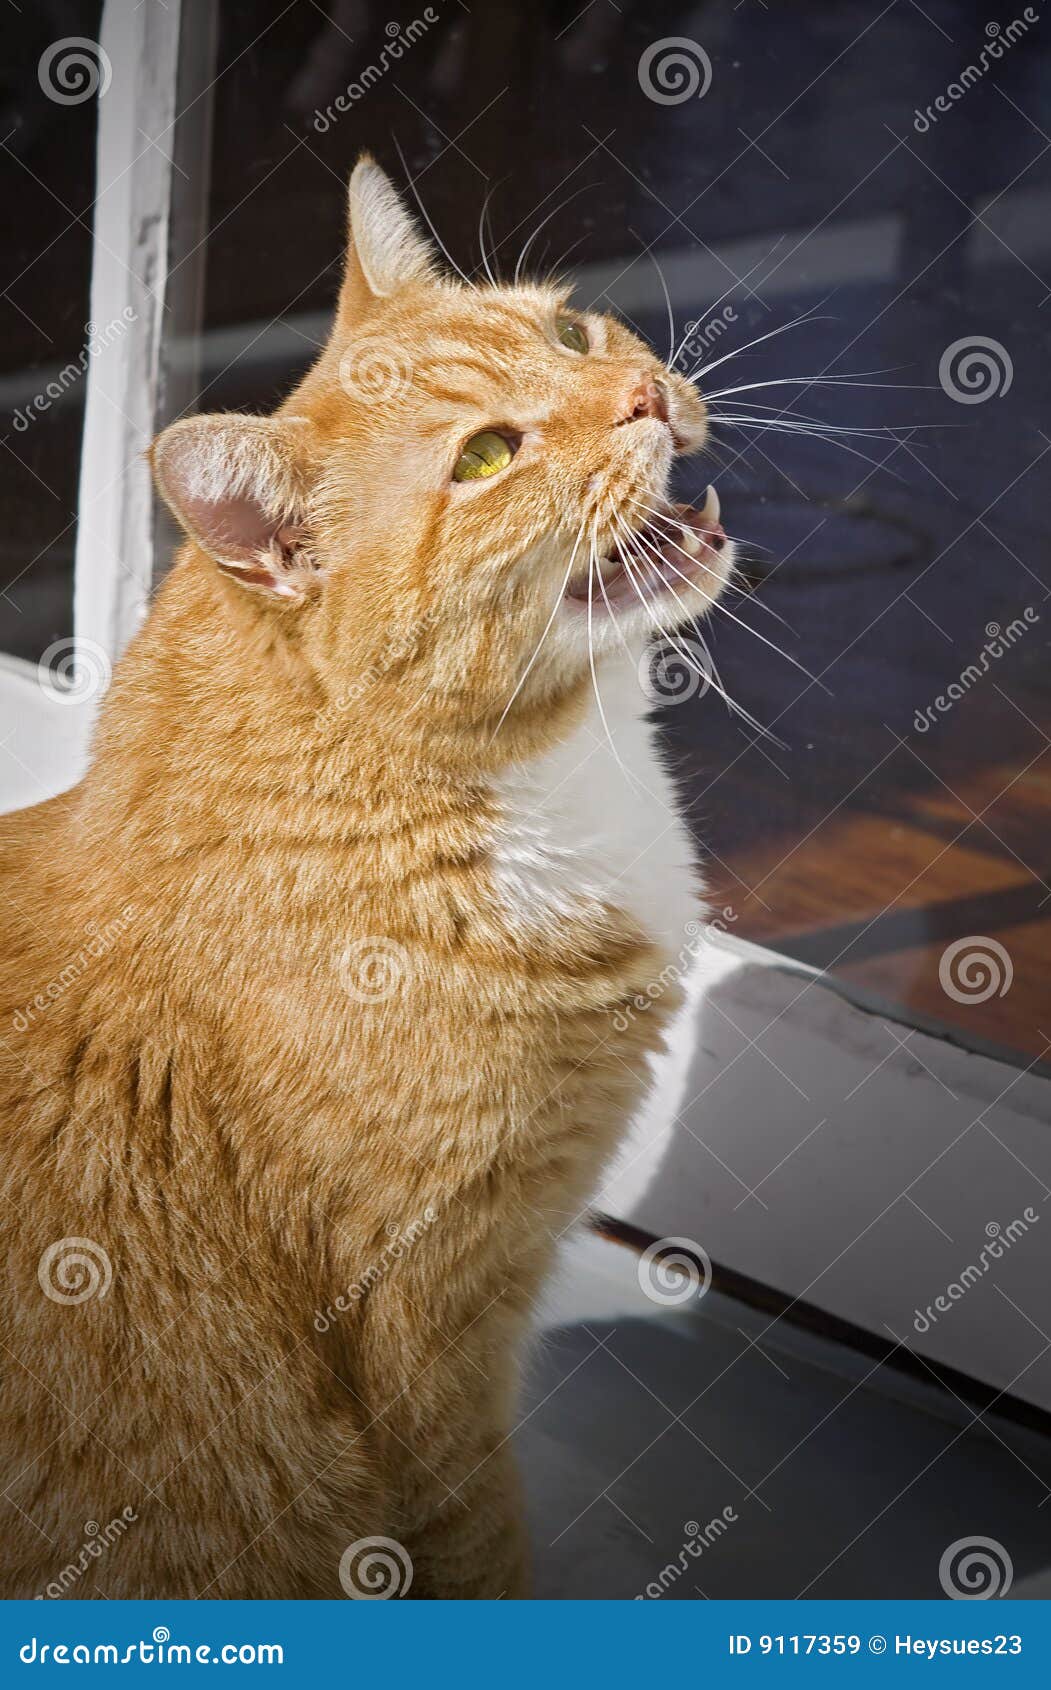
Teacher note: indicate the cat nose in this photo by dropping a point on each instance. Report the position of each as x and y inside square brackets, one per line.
[646, 399]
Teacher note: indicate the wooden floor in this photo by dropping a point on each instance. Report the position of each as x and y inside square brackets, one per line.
[885, 927]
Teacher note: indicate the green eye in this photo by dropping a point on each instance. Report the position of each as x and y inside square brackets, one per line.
[484, 454]
[571, 334]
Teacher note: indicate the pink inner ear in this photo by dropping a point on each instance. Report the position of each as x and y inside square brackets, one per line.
[234, 529]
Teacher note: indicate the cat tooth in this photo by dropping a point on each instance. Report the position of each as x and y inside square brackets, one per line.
[712, 508]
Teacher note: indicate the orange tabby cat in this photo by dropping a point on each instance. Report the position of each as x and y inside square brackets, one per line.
[310, 988]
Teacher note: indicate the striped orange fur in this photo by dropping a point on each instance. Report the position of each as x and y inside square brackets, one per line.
[310, 1110]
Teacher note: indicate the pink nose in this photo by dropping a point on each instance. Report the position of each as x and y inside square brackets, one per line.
[647, 399]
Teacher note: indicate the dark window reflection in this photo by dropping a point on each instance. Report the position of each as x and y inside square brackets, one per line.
[47, 185]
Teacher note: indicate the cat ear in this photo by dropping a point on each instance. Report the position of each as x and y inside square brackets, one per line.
[385, 248]
[237, 485]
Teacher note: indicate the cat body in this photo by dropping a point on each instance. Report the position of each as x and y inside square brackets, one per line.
[313, 980]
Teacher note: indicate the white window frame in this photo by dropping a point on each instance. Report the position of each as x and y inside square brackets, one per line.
[148, 200]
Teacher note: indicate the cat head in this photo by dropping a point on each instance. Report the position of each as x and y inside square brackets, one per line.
[464, 504]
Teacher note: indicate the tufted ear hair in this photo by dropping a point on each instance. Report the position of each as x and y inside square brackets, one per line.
[238, 486]
[385, 249]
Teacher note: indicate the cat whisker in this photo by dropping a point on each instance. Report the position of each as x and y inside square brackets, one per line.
[738, 281]
[778, 426]
[785, 414]
[735, 352]
[482, 215]
[547, 629]
[667, 300]
[727, 584]
[670, 636]
[633, 541]
[543, 225]
[666, 515]
[718, 451]
[629, 544]
[605, 595]
[592, 571]
[554, 274]
[425, 214]
[724, 580]
[823, 381]
[709, 676]
[677, 522]
[717, 605]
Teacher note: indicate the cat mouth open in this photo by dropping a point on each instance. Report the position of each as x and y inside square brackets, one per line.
[676, 548]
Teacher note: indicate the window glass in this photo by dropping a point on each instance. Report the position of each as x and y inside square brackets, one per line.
[891, 824]
[50, 79]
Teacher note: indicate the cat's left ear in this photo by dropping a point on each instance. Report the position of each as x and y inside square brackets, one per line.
[385, 249]
[239, 487]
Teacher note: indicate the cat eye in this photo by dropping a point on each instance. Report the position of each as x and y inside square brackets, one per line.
[484, 454]
[571, 334]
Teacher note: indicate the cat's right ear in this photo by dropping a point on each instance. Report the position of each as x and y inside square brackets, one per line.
[238, 486]
[385, 249]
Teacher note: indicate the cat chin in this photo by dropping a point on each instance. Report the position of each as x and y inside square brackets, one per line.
[629, 628]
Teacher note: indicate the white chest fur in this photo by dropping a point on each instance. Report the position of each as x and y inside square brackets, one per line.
[587, 823]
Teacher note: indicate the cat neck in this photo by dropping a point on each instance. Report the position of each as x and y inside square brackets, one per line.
[218, 733]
